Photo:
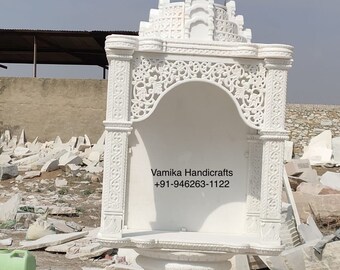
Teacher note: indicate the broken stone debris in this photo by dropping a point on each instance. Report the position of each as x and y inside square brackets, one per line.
[322, 206]
[4, 159]
[74, 156]
[309, 231]
[308, 256]
[331, 179]
[63, 226]
[50, 240]
[31, 174]
[316, 189]
[301, 169]
[50, 166]
[323, 150]
[319, 151]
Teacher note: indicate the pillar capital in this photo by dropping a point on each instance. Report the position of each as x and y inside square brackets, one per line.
[120, 47]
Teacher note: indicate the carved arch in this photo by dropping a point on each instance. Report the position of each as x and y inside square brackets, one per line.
[152, 78]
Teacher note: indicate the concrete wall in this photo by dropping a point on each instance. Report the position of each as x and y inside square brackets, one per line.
[64, 107]
[306, 121]
[51, 107]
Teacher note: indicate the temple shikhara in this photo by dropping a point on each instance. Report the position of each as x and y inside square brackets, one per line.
[192, 92]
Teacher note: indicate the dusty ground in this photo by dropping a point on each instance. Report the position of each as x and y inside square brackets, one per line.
[83, 193]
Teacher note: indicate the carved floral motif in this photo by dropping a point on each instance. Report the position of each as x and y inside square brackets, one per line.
[254, 184]
[272, 186]
[152, 77]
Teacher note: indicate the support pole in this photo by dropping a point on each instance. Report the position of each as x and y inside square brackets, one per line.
[34, 57]
[104, 73]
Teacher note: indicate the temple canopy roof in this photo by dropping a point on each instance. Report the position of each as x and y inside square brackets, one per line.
[199, 20]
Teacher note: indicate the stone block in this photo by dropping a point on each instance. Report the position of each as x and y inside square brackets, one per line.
[336, 150]
[8, 210]
[323, 206]
[331, 179]
[20, 151]
[73, 142]
[330, 255]
[8, 171]
[50, 166]
[51, 240]
[94, 156]
[31, 174]
[319, 150]
[310, 231]
[315, 189]
[297, 166]
[57, 142]
[22, 139]
[87, 140]
[288, 151]
[64, 226]
[70, 158]
[309, 175]
[4, 158]
[72, 168]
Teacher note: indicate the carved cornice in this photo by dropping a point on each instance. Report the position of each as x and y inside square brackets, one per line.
[278, 64]
[211, 49]
[279, 51]
[119, 46]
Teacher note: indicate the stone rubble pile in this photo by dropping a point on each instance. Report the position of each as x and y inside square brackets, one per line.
[25, 160]
[46, 187]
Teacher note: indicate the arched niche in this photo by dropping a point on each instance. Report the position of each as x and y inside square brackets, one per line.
[196, 126]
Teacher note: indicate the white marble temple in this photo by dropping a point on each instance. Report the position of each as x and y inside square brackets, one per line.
[195, 137]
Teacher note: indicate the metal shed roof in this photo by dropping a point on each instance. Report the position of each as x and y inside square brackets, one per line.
[55, 46]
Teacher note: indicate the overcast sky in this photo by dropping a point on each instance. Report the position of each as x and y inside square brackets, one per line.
[311, 26]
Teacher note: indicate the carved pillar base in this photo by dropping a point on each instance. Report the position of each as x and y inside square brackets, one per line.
[182, 260]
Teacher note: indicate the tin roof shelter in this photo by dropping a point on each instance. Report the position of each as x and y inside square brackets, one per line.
[23, 46]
